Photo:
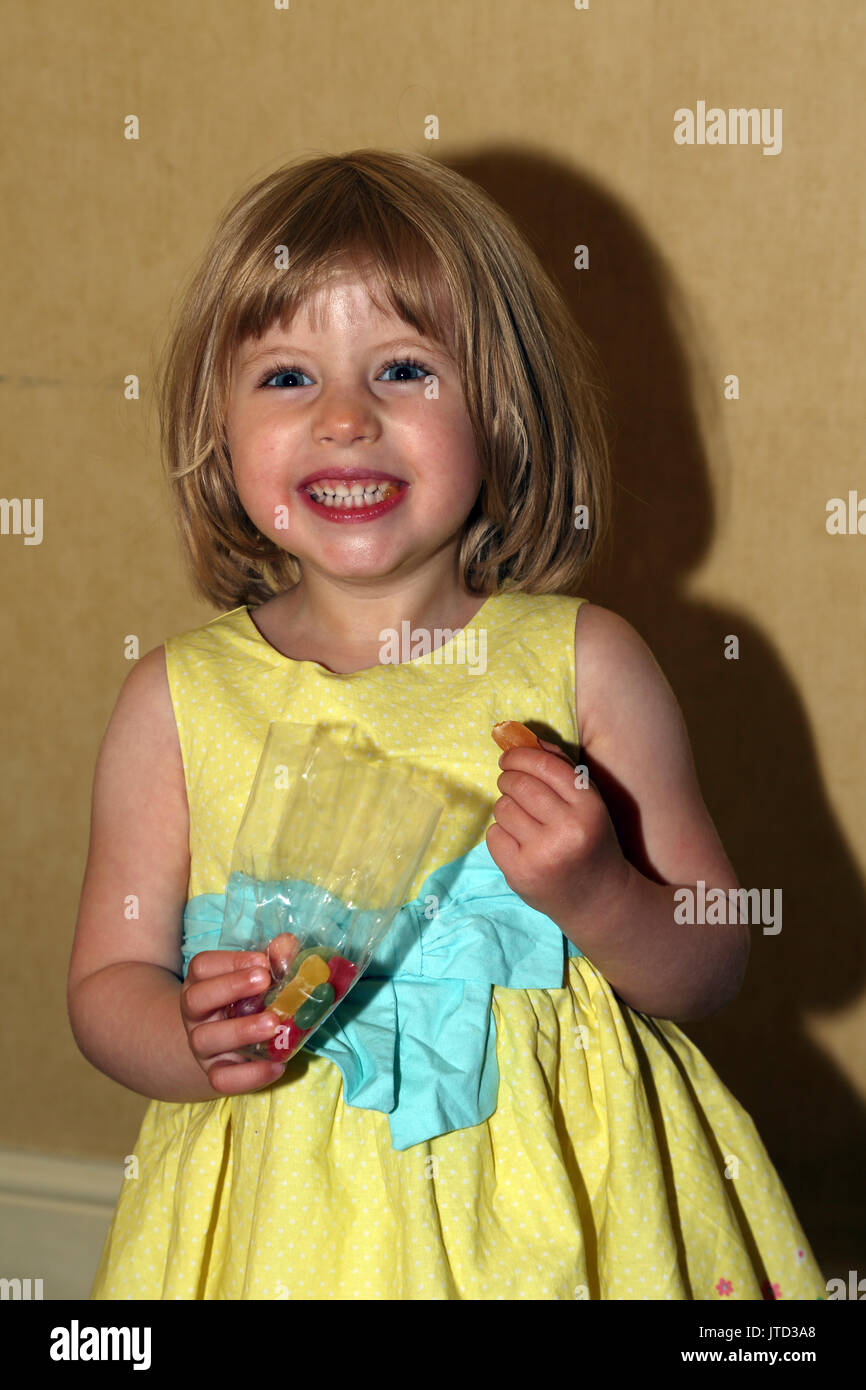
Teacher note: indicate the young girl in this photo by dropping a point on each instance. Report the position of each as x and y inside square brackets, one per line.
[379, 415]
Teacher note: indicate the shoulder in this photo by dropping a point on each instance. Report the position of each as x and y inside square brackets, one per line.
[139, 773]
[230, 621]
[143, 717]
[616, 674]
[191, 654]
[146, 683]
[534, 618]
[635, 743]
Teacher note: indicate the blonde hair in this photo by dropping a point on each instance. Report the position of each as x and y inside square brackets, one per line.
[457, 269]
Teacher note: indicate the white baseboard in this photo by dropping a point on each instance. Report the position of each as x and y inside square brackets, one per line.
[55, 1211]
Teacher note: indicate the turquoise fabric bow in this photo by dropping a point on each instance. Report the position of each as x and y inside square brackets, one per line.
[415, 1038]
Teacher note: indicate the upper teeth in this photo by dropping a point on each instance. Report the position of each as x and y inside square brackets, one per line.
[338, 494]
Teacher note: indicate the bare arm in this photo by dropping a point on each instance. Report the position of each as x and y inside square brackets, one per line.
[127, 1022]
[124, 986]
[637, 751]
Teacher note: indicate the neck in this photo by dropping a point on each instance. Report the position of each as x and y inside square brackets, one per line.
[354, 618]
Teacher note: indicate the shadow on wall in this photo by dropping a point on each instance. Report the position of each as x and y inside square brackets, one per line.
[753, 747]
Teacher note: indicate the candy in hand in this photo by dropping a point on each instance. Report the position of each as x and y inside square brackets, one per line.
[510, 734]
[318, 980]
[242, 1008]
[281, 952]
[313, 971]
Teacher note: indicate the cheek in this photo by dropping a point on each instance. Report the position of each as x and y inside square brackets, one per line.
[470, 474]
[447, 436]
[256, 452]
[259, 481]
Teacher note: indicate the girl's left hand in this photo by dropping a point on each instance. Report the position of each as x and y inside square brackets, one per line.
[554, 841]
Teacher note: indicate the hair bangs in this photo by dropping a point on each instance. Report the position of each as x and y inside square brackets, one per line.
[371, 240]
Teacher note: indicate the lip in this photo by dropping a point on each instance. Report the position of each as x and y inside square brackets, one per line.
[348, 471]
[354, 516]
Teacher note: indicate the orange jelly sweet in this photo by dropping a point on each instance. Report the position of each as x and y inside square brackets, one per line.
[311, 972]
[510, 734]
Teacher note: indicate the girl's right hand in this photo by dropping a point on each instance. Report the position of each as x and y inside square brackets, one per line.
[214, 980]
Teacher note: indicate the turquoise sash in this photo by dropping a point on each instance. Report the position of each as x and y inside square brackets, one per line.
[415, 1038]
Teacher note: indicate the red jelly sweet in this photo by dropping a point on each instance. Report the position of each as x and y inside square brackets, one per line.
[287, 1037]
[342, 973]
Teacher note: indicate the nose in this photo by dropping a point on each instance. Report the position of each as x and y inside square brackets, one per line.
[344, 417]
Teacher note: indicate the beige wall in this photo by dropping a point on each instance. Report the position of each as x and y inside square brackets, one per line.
[705, 260]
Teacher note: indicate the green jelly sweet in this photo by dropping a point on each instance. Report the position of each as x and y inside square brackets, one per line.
[313, 1009]
[323, 952]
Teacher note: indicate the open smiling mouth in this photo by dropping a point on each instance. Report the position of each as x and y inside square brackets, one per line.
[353, 499]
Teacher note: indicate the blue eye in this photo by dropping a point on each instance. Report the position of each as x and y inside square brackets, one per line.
[407, 362]
[283, 369]
[280, 370]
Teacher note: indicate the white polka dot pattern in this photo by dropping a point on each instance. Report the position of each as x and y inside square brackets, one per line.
[616, 1165]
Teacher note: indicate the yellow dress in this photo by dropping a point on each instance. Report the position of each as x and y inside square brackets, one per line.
[615, 1164]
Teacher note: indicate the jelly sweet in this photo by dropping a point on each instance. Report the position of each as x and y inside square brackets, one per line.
[242, 1008]
[316, 980]
[323, 952]
[311, 972]
[510, 734]
[285, 1041]
[314, 1009]
[343, 973]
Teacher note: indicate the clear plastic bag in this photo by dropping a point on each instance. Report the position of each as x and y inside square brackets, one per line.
[331, 837]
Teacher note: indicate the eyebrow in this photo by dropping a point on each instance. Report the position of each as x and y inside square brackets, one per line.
[285, 349]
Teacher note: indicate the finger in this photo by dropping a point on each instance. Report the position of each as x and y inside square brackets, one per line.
[552, 748]
[206, 964]
[556, 773]
[519, 824]
[234, 1078]
[199, 1001]
[501, 845]
[535, 797]
[209, 1039]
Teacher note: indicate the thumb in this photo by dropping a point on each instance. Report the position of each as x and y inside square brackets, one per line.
[552, 748]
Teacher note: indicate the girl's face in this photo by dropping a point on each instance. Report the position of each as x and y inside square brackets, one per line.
[334, 400]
